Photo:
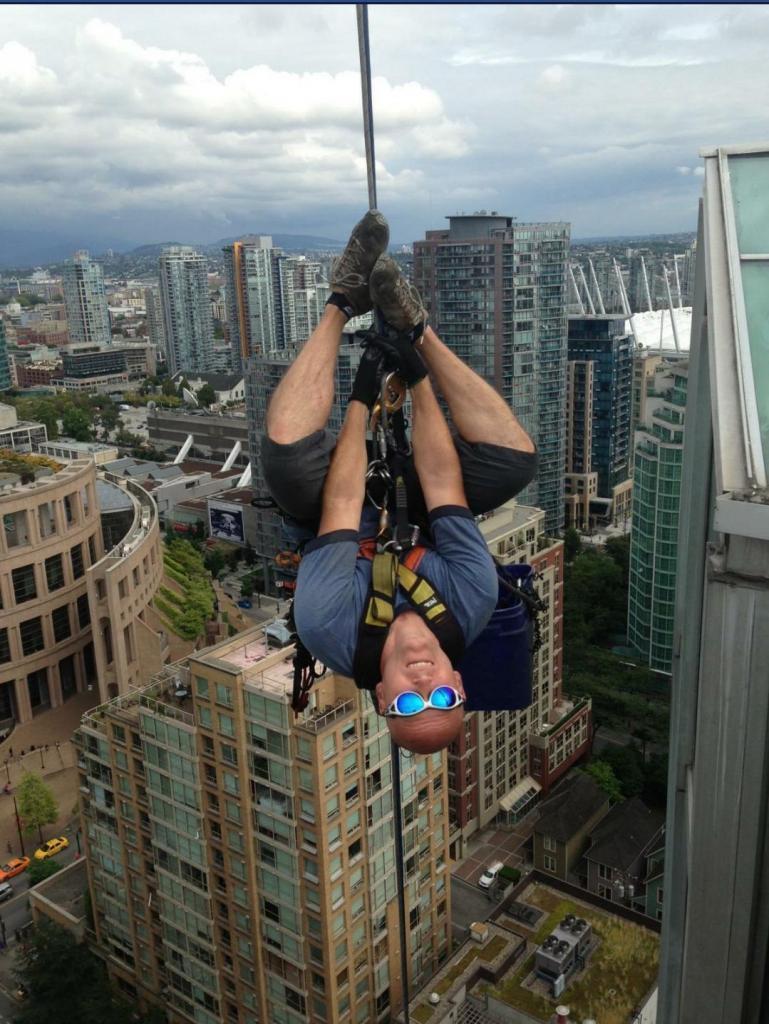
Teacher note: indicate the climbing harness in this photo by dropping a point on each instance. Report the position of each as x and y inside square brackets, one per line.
[389, 571]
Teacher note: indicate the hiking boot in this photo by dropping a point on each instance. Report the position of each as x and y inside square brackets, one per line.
[350, 273]
[398, 301]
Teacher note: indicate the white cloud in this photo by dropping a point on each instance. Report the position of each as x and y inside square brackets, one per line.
[684, 170]
[554, 76]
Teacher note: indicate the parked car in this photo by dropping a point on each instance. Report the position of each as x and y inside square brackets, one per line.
[14, 867]
[489, 876]
[6, 891]
[51, 848]
[244, 603]
[278, 634]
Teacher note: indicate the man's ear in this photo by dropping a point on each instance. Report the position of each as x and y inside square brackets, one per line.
[458, 683]
[379, 691]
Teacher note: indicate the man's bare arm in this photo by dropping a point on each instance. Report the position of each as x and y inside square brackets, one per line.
[345, 487]
[435, 457]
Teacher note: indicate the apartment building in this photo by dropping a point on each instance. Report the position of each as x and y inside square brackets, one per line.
[504, 760]
[496, 293]
[85, 300]
[186, 309]
[242, 860]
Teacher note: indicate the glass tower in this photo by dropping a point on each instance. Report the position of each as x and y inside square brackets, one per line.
[187, 319]
[656, 506]
[5, 369]
[86, 300]
[496, 294]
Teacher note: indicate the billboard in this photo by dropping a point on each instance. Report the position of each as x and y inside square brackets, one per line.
[227, 524]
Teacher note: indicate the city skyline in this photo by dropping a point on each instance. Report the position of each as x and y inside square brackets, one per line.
[225, 128]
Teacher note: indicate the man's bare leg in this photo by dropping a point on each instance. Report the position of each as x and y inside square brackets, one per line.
[480, 414]
[301, 403]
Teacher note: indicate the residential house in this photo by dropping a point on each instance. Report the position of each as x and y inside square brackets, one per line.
[566, 821]
[626, 855]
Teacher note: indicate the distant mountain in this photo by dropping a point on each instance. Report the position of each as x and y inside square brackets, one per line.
[21, 248]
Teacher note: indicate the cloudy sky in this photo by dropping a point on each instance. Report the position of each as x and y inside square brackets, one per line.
[146, 123]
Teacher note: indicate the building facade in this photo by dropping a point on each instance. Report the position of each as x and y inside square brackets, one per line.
[85, 300]
[599, 400]
[187, 320]
[51, 537]
[5, 368]
[656, 506]
[496, 294]
[214, 436]
[242, 860]
[503, 761]
[17, 436]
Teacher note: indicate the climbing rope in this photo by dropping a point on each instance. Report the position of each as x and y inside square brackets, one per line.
[368, 134]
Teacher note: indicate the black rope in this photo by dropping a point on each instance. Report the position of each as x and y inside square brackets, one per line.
[368, 109]
[400, 875]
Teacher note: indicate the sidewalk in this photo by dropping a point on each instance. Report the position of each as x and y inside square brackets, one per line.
[57, 766]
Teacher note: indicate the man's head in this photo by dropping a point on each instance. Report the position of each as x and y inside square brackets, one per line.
[412, 659]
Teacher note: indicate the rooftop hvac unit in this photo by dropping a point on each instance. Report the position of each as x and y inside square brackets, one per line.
[563, 947]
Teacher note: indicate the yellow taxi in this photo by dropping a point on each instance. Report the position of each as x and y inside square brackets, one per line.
[51, 848]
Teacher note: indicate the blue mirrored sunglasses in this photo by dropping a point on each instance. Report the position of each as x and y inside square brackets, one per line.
[442, 698]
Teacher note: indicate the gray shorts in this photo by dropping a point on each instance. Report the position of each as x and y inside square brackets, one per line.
[295, 474]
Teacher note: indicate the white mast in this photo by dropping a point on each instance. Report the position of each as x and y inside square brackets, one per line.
[678, 281]
[587, 290]
[595, 285]
[646, 284]
[670, 307]
[573, 280]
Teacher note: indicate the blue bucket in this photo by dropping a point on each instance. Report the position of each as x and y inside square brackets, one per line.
[496, 668]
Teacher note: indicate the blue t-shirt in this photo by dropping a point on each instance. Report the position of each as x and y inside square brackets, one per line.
[333, 584]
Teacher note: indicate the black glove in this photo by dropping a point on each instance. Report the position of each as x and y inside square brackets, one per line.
[400, 355]
[368, 380]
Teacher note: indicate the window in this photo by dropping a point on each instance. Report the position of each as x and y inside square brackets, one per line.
[83, 611]
[69, 509]
[223, 695]
[61, 624]
[76, 555]
[549, 863]
[92, 550]
[24, 588]
[549, 843]
[54, 572]
[31, 633]
[46, 519]
[604, 872]
[201, 686]
[5, 647]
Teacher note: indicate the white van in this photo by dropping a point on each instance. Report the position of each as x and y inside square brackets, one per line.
[489, 876]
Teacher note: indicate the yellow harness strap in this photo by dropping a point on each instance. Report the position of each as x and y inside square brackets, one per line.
[386, 573]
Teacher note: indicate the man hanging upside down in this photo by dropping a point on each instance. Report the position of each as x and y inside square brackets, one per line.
[318, 480]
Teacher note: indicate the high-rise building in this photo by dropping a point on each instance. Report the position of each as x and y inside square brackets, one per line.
[5, 366]
[86, 300]
[496, 294]
[504, 760]
[274, 301]
[155, 328]
[242, 859]
[599, 398]
[715, 926]
[659, 447]
[189, 327]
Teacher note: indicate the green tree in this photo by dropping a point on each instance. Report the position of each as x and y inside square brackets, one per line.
[76, 423]
[39, 870]
[627, 766]
[36, 802]
[168, 387]
[233, 558]
[572, 544]
[214, 561]
[63, 976]
[247, 587]
[604, 775]
[206, 396]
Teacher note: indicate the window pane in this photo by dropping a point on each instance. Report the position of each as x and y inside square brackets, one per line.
[83, 611]
[54, 572]
[76, 554]
[755, 285]
[32, 635]
[24, 588]
[61, 625]
[5, 648]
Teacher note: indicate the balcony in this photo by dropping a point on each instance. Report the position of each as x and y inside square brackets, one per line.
[320, 718]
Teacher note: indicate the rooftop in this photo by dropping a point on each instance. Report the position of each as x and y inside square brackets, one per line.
[624, 834]
[576, 800]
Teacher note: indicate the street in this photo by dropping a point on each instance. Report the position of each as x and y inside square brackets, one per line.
[470, 903]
